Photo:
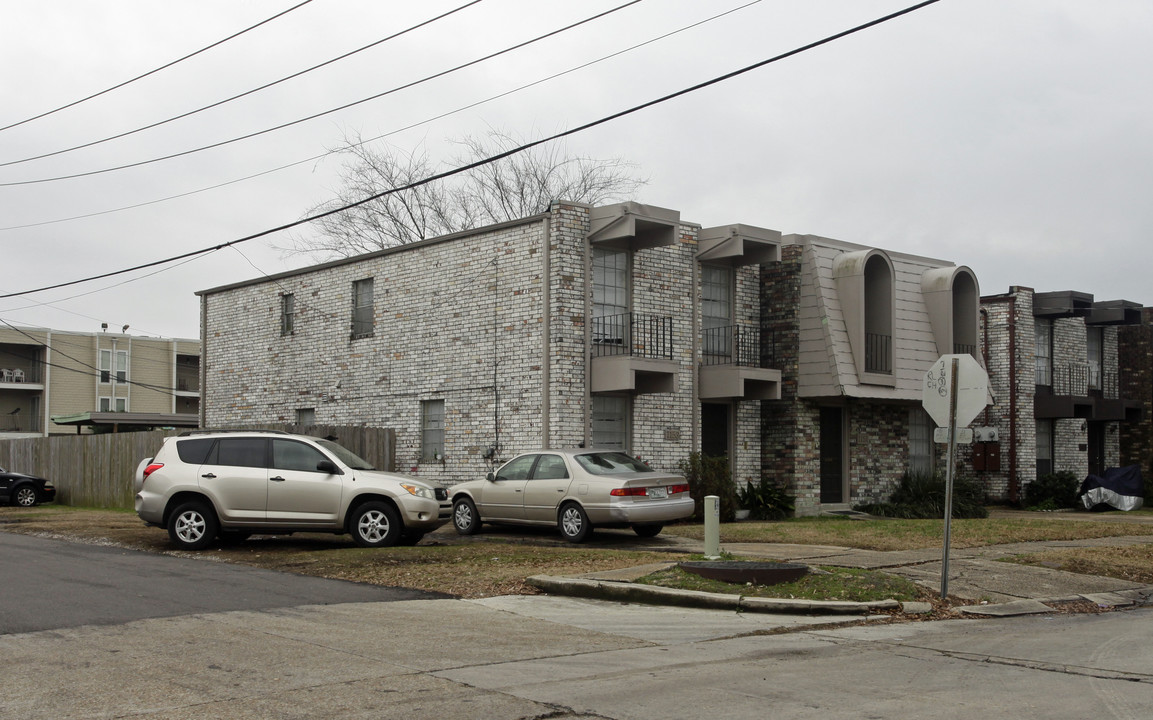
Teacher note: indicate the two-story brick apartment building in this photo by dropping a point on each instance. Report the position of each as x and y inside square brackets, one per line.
[853, 330]
[617, 326]
[1061, 396]
[46, 374]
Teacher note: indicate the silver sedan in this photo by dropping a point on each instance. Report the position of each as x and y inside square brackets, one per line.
[575, 490]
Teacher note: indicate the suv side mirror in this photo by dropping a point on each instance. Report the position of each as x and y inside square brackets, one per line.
[328, 466]
[491, 477]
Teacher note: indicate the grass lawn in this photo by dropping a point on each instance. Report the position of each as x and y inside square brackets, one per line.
[900, 534]
[497, 561]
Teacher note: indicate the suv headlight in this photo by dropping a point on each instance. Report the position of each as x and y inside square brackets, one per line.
[419, 490]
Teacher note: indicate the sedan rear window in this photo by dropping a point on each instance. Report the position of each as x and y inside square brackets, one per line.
[611, 463]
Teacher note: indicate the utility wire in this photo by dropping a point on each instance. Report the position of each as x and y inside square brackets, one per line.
[326, 112]
[498, 156]
[98, 372]
[243, 94]
[426, 121]
[156, 70]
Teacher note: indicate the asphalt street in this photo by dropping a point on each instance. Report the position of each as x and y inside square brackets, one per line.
[50, 584]
[285, 654]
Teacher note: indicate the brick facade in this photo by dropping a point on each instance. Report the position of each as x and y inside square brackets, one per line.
[492, 322]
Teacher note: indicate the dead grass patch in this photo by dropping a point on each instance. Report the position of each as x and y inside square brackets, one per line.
[1133, 563]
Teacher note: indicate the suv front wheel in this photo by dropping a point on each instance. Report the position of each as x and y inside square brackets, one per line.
[192, 526]
[375, 524]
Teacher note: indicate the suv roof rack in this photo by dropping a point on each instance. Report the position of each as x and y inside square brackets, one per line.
[186, 433]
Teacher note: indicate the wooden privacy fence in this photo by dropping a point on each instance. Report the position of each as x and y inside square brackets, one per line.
[98, 470]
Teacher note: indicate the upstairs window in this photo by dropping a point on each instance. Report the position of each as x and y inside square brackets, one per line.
[1043, 351]
[610, 295]
[113, 366]
[717, 309]
[1094, 355]
[878, 316]
[362, 308]
[287, 314]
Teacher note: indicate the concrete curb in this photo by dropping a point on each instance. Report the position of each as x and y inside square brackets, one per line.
[653, 595]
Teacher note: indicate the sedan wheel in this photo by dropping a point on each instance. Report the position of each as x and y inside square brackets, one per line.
[648, 531]
[192, 526]
[375, 524]
[25, 496]
[464, 517]
[574, 523]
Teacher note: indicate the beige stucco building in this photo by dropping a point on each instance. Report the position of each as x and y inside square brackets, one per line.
[102, 378]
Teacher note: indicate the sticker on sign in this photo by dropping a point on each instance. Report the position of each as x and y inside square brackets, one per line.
[964, 435]
[972, 389]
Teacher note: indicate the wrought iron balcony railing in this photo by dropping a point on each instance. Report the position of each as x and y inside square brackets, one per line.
[731, 345]
[879, 353]
[649, 336]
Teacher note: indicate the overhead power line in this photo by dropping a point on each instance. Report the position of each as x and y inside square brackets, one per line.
[330, 111]
[156, 70]
[218, 103]
[97, 372]
[498, 156]
[426, 121]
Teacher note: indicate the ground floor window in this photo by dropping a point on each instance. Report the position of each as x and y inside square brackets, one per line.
[1044, 448]
[432, 430]
[920, 442]
[610, 422]
[306, 416]
[110, 404]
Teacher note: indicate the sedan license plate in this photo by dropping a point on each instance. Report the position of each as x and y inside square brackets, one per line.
[657, 493]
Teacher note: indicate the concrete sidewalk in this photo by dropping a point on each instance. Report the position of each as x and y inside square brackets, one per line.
[978, 576]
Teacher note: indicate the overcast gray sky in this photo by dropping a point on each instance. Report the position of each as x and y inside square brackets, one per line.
[1012, 136]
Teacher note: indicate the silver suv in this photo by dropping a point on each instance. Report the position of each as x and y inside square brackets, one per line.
[232, 484]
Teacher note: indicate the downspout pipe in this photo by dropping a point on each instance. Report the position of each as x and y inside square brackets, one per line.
[1014, 481]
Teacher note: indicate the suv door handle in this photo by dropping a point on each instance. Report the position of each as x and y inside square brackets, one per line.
[276, 479]
[208, 476]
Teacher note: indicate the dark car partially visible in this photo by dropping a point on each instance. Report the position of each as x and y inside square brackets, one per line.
[25, 490]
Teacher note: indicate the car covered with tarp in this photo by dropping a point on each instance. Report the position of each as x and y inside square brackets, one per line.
[1116, 489]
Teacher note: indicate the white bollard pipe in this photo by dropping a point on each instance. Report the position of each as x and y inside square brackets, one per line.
[712, 527]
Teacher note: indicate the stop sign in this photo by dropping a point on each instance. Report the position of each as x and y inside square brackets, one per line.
[972, 390]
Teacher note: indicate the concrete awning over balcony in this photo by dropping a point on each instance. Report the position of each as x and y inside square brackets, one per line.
[633, 374]
[738, 245]
[739, 383]
[632, 226]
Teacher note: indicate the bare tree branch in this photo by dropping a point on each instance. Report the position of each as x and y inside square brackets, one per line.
[516, 186]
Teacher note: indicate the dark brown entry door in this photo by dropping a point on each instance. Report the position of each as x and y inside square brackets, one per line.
[714, 430]
[1097, 448]
[832, 456]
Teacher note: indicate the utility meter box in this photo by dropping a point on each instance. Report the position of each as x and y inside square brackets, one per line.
[985, 434]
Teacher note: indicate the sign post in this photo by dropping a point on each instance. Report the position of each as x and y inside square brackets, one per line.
[956, 388]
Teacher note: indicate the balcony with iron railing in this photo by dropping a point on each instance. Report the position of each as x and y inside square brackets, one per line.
[633, 334]
[732, 365]
[1081, 390]
[731, 345]
[632, 353]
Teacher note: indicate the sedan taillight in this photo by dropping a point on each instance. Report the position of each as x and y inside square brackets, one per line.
[674, 489]
[628, 492]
